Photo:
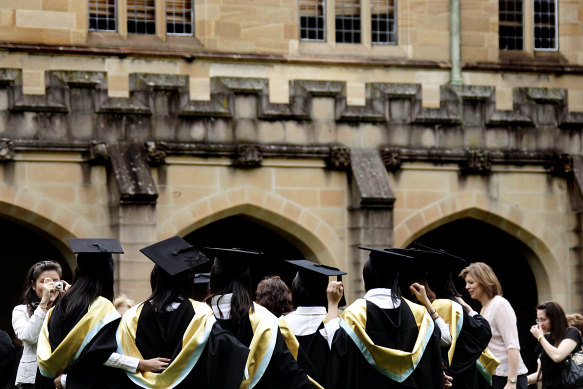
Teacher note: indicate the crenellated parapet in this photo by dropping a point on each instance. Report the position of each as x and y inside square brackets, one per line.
[159, 119]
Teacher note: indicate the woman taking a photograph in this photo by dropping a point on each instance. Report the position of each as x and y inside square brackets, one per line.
[557, 340]
[483, 285]
[39, 295]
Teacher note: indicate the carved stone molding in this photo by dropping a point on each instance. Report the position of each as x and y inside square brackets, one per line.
[339, 158]
[477, 162]
[562, 165]
[6, 149]
[248, 156]
[98, 153]
[391, 159]
[155, 153]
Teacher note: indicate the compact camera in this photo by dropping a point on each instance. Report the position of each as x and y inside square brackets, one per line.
[58, 285]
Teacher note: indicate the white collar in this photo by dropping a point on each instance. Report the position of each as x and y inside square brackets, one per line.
[222, 308]
[382, 298]
[312, 310]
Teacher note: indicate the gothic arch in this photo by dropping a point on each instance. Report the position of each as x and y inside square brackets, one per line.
[540, 238]
[51, 230]
[310, 234]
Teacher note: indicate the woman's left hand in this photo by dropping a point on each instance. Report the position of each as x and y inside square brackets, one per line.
[536, 331]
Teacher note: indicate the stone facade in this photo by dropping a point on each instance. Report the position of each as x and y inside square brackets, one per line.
[331, 145]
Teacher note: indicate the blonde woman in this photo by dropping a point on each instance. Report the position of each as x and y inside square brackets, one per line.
[483, 286]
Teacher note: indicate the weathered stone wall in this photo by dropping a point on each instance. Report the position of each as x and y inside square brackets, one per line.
[265, 26]
[325, 174]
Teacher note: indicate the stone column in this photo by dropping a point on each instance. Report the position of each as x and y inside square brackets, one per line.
[371, 212]
[132, 210]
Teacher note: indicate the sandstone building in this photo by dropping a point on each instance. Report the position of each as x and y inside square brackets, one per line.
[303, 127]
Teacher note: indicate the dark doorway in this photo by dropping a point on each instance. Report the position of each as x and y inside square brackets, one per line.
[22, 247]
[478, 241]
[244, 232]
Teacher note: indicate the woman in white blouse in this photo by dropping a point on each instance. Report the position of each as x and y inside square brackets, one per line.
[483, 285]
[39, 295]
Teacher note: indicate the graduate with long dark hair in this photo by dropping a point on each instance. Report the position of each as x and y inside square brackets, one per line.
[173, 325]
[270, 363]
[309, 329]
[76, 347]
[384, 340]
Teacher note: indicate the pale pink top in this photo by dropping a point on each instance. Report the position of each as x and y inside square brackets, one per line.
[502, 319]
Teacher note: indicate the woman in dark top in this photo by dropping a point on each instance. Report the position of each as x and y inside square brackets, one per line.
[557, 340]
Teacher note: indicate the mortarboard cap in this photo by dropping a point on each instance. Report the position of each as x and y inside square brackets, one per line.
[174, 255]
[236, 260]
[317, 268]
[313, 273]
[386, 254]
[202, 278]
[452, 262]
[94, 246]
[433, 259]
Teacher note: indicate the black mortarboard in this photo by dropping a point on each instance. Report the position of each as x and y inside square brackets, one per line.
[174, 255]
[453, 262]
[433, 260]
[94, 256]
[202, 278]
[317, 274]
[317, 268]
[393, 258]
[236, 260]
[94, 246]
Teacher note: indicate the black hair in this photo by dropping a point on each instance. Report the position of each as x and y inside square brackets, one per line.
[556, 315]
[93, 278]
[238, 283]
[167, 289]
[442, 285]
[379, 274]
[309, 290]
[29, 296]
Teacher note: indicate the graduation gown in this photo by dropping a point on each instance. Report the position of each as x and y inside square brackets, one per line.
[386, 348]
[270, 363]
[202, 354]
[78, 345]
[311, 351]
[470, 337]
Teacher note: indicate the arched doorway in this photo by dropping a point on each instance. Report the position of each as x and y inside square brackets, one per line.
[22, 247]
[478, 241]
[244, 232]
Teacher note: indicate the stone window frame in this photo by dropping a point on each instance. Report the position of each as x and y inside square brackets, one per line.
[505, 14]
[528, 18]
[160, 19]
[366, 8]
[555, 22]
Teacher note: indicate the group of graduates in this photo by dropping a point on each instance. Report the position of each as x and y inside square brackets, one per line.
[228, 341]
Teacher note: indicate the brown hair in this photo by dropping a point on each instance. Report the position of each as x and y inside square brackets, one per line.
[273, 294]
[484, 275]
[556, 315]
[575, 320]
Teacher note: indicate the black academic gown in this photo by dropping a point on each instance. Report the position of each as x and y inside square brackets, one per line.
[314, 355]
[283, 370]
[87, 371]
[160, 334]
[392, 328]
[473, 339]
